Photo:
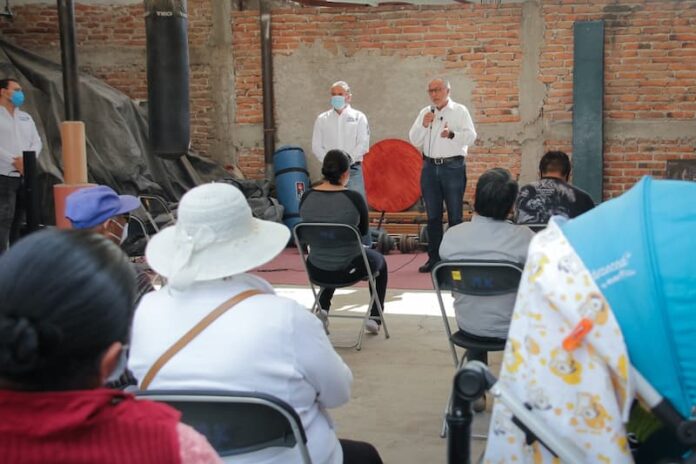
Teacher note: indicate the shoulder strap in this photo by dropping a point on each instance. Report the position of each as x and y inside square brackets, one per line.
[193, 333]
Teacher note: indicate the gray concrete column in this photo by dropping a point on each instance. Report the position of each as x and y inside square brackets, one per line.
[222, 87]
[532, 91]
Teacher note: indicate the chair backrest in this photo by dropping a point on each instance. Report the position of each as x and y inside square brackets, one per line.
[477, 277]
[157, 211]
[237, 422]
[326, 236]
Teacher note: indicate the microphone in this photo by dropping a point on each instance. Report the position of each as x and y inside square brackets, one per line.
[432, 108]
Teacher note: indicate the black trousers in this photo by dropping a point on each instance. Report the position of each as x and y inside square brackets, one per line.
[359, 452]
[478, 355]
[355, 270]
[11, 207]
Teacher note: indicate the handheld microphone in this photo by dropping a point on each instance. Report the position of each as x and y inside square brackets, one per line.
[432, 108]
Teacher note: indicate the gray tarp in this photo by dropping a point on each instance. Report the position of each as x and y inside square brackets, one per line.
[116, 130]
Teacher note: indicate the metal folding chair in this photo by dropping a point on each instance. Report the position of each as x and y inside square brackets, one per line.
[237, 423]
[308, 234]
[157, 211]
[473, 278]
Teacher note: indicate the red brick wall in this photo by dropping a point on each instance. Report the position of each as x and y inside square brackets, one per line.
[650, 64]
[650, 67]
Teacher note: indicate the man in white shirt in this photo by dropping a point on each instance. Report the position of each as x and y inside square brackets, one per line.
[343, 128]
[17, 134]
[443, 132]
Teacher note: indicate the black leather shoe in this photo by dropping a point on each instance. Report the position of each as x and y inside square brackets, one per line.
[427, 267]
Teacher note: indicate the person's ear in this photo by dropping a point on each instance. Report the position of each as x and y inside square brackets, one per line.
[109, 361]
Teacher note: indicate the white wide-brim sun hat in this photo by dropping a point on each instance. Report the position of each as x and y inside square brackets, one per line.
[215, 236]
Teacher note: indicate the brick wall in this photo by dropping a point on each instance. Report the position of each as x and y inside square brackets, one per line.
[650, 66]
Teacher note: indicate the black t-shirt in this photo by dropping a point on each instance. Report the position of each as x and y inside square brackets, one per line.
[547, 197]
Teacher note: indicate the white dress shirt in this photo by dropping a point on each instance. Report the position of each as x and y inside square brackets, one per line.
[17, 134]
[428, 140]
[265, 343]
[348, 131]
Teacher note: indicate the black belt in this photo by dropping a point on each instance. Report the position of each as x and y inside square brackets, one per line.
[439, 161]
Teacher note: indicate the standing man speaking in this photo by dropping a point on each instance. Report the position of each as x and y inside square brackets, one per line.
[17, 134]
[443, 133]
[344, 128]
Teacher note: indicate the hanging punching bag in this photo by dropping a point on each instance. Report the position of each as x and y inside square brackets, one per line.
[166, 23]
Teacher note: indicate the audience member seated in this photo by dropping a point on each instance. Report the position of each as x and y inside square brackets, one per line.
[105, 212]
[263, 343]
[551, 195]
[487, 236]
[331, 201]
[67, 303]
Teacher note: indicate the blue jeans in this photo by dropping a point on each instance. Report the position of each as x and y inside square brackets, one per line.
[357, 184]
[442, 182]
[356, 181]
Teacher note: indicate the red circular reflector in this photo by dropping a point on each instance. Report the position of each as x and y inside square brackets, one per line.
[392, 170]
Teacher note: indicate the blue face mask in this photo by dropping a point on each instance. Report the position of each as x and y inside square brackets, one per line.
[17, 98]
[338, 102]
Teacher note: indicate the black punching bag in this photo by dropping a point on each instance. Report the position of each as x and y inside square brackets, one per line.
[166, 24]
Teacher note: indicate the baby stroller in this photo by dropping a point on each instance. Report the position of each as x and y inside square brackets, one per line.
[566, 389]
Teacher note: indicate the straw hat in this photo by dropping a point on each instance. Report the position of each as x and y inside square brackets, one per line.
[215, 236]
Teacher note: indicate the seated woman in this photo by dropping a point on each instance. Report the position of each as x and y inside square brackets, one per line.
[262, 342]
[67, 303]
[331, 201]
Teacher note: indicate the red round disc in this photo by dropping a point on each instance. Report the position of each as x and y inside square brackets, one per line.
[392, 170]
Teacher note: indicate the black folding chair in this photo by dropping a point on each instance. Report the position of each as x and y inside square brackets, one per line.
[237, 423]
[157, 211]
[473, 278]
[327, 235]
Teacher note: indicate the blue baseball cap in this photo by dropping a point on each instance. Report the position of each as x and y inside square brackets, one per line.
[92, 206]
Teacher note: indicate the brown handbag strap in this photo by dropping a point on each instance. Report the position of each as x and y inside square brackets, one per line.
[193, 333]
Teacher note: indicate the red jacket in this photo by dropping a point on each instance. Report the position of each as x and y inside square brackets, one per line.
[86, 426]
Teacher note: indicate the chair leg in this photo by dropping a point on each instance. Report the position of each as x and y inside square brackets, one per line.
[381, 315]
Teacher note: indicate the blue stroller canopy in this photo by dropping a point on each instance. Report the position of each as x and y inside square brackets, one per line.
[641, 251]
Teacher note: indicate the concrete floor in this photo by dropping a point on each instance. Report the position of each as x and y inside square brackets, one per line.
[401, 384]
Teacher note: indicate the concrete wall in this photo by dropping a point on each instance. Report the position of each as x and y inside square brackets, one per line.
[510, 64]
